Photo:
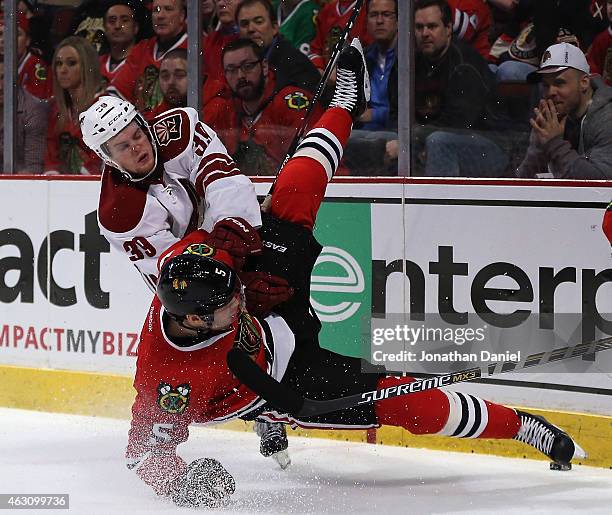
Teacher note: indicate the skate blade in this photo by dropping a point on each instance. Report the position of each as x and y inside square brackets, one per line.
[560, 466]
[579, 452]
[282, 458]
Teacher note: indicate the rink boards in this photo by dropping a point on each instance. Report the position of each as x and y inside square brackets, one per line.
[379, 238]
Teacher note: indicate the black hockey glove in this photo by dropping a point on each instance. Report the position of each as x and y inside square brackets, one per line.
[204, 483]
[237, 237]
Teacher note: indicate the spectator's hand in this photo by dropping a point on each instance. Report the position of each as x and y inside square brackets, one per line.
[546, 123]
[366, 116]
[391, 151]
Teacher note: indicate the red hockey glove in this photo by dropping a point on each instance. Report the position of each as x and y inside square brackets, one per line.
[237, 237]
[264, 291]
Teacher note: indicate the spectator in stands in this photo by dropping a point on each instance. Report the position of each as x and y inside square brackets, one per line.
[209, 16]
[297, 20]
[33, 71]
[30, 130]
[472, 24]
[216, 40]
[120, 30]
[138, 79]
[331, 21]
[381, 58]
[257, 21]
[76, 85]
[258, 121]
[172, 82]
[367, 144]
[453, 101]
[571, 135]
[600, 53]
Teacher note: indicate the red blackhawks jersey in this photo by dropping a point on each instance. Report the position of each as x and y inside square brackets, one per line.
[196, 185]
[177, 386]
[137, 80]
[267, 133]
[471, 23]
[35, 76]
[331, 21]
[600, 55]
[66, 153]
[106, 70]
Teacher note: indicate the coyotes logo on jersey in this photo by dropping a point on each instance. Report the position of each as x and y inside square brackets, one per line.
[167, 129]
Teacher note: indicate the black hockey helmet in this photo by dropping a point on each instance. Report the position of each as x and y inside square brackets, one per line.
[194, 284]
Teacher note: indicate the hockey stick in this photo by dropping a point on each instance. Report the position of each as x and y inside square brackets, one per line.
[292, 403]
[320, 87]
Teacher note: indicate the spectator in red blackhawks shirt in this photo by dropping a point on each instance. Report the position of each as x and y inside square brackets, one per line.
[472, 23]
[600, 53]
[76, 84]
[33, 72]
[120, 30]
[258, 122]
[137, 80]
[172, 82]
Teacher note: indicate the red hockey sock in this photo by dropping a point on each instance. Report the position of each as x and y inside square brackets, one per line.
[607, 223]
[301, 184]
[446, 413]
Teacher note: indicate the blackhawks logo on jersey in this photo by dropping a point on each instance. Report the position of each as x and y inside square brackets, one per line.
[200, 249]
[297, 100]
[167, 129]
[173, 400]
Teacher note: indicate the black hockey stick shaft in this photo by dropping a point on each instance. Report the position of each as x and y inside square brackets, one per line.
[299, 133]
[291, 402]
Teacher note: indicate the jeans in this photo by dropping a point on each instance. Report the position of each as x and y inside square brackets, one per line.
[450, 154]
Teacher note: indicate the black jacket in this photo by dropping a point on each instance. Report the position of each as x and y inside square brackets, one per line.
[291, 65]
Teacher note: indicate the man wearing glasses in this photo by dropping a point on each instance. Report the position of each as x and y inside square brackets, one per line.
[258, 120]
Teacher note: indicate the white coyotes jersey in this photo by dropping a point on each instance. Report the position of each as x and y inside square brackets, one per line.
[196, 185]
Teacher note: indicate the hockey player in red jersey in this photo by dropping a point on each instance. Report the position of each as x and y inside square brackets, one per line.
[164, 179]
[199, 315]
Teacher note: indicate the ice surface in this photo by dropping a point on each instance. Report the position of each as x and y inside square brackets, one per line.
[83, 456]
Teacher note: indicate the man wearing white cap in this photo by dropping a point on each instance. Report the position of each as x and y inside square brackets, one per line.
[571, 134]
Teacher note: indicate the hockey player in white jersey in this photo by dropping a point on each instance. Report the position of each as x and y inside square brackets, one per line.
[164, 179]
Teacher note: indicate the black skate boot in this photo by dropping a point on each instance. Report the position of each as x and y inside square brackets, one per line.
[549, 439]
[352, 81]
[273, 442]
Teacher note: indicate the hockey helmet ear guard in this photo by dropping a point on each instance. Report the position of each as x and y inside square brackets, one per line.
[106, 118]
[193, 284]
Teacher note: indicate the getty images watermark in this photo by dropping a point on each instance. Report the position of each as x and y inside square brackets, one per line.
[416, 339]
[440, 343]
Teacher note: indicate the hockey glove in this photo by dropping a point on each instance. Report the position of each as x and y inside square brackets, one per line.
[204, 483]
[237, 237]
[264, 291]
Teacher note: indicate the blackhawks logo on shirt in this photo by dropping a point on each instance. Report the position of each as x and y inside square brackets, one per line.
[297, 100]
[173, 400]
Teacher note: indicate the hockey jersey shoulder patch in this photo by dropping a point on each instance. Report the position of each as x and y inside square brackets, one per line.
[172, 132]
[121, 203]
